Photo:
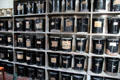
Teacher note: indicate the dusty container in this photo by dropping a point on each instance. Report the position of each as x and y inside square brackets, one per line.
[115, 5]
[53, 75]
[66, 61]
[53, 60]
[54, 43]
[40, 58]
[82, 25]
[19, 23]
[111, 66]
[77, 77]
[97, 64]
[66, 44]
[55, 24]
[113, 25]
[97, 78]
[84, 5]
[40, 74]
[65, 76]
[98, 46]
[69, 5]
[112, 46]
[55, 5]
[20, 56]
[81, 44]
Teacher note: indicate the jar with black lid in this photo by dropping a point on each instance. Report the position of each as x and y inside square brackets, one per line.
[69, 5]
[21, 70]
[9, 68]
[82, 25]
[66, 61]
[40, 74]
[69, 24]
[31, 7]
[31, 72]
[65, 76]
[113, 25]
[21, 9]
[54, 42]
[53, 75]
[20, 55]
[40, 42]
[30, 58]
[66, 44]
[20, 41]
[3, 25]
[77, 77]
[79, 62]
[9, 40]
[2, 39]
[112, 65]
[55, 5]
[19, 24]
[29, 25]
[10, 25]
[40, 24]
[40, 59]
[3, 53]
[115, 5]
[29, 41]
[53, 60]
[112, 46]
[81, 44]
[98, 45]
[55, 24]
[98, 24]
[84, 5]
[40, 6]
[10, 54]
[97, 78]
[97, 64]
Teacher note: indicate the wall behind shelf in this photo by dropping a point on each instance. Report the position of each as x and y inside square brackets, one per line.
[6, 3]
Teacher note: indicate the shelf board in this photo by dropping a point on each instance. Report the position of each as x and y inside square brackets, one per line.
[106, 13]
[6, 61]
[6, 31]
[30, 15]
[6, 16]
[102, 34]
[11, 47]
[31, 32]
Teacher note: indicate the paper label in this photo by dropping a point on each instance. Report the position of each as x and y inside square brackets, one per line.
[52, 78]
[99, 46]
[68, 23]
[113, 44]
[54, 44]
[116, 2]
[98, 24]
[27, 25]
[39, 25]
[9, 39]
[20, 39]
[80, 44]
[28, 43]
[53, 60]
[97, 64]
[115, 23]
[52, 23]
[38, 42]
[18, 24]
[28, 58]
[0, 39]
[1, 24]
[65, 62]
[37, 58]
[19, 56]
[66, 44]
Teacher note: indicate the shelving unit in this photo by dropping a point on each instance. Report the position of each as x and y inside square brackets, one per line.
[46, 15]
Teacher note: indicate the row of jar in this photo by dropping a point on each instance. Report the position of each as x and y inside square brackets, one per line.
[30, 7]
[6, 12]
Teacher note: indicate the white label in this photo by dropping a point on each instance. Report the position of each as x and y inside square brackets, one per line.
[113, 44]
[66, 44]
[9, 39]
[28, 58]
[19, 56]
[37, 59]
[98, 24]
[53, 60]
[38, 42]
[27, 25]
[115, 23]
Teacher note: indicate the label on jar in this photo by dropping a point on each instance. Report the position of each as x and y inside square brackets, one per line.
[113, 44]
[20, 39]
[38, 42]
[18, 24]
[39, 25]
[1, 24]
[29, 5]
[52, 23]
[98, 46]
[66, 44]
[2, 55]
[115, 23]
[97, 24]
[28, 43]
[19, 7]
[79, 65]
[28, 58]
[54, 44]
[9, 39]
[116, 2]
[53, 60]
[38, 6]
[80, 44]
[97, 64]
[0, 39]
[37, 58]
[65, 62]
[68, 23]
[19, 56]
[52, 78]
[27, 25]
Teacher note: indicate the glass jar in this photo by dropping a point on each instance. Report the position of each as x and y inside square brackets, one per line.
[69, 5]
[53, 75]
[31, 6]
[84, 5]
[65, 76]
[10, 25]
[19, 23]
[10, 54]
[2, 39]
[40, 7]
[9, 40]
[20, 56]
[40, 74]
[78, 77]
[20, 9]
[21, 70]
[29, 41]
[40, 59]
[55, 5]
[29, 25]
[31, 72]
[20, 41]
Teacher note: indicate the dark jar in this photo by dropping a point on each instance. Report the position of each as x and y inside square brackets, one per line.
[30, 6]
[82, 25]
[21, 70]
[66, 61]
[40, 7]
[113, 25]
[112, 65]
[98, 45]
[66, 44]
[84, 5]
[21, 9]
[65, 76]
[9, 40]
[19, 24]
[40, 25]
[10, 54]
[79, 62]
[30, 57]
[9, 68]
[98, 24]
[112, 46]
[69, 5]
[97, 64]
[69, 24]
[99, 5]
[81, 44]
[54, 43]
[40, 59]
[115, 6]
[20, 41]
[10, 25]
[55, 5]
[40, 74]
[20, 56]
[53, 60]
[29, 25]
[97, 78]
[31, 72]
[29, 41]
[77, 77]
[3, 25]
[40, 42]
[3, 53]
[53, 75]
[55, 24]
[2, 39]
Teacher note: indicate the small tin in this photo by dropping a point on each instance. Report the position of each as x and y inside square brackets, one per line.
[40, 59]
[65, 76]
[53, 75]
